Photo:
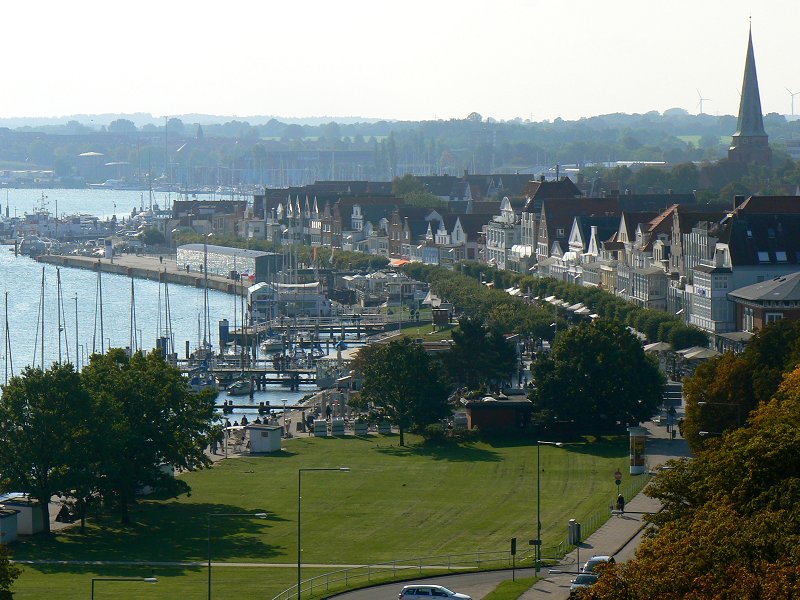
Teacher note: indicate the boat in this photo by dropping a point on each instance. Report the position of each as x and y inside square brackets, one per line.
[202, 379]
[240, 387]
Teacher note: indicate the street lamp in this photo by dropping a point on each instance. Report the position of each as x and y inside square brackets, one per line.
[538, 551]
[299, 498]
[142, 579]
[259, 515]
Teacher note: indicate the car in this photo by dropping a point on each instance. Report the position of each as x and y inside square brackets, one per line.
[424, 590]
[583, 580]
[592, 563]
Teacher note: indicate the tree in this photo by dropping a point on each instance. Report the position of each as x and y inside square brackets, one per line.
[9, 572]
[152, 237]
[122, 126]
[733, 385]
[407, 184]
[41, 416]
[597, 376]
[728, 526]
[402, 384]
[151, 419]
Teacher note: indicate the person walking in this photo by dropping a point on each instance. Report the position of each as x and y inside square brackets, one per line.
[621, 503]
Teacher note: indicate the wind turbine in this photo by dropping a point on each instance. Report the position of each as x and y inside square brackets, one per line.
[792, 94]
[700, 96]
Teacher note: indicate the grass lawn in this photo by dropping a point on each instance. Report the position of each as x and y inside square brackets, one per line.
[395, 503]
[511, 590]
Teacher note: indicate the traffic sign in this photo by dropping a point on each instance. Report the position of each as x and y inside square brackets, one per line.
[618, 476]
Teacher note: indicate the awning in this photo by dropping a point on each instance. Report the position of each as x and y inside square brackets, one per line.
[657, 347]
[398, 262]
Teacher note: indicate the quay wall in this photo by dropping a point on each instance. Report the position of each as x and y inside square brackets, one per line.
[139, 268]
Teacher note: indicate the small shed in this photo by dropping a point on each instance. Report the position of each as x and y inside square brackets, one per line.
[29, 519]
[499, 413]
[8, 525]
[265, 438]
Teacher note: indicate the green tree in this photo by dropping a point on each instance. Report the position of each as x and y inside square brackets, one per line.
[597, 376]
[401, 383]
[479, 355]
[152, 237]
[9, 572]
[41, 414]
[407, 184]
[151, 419]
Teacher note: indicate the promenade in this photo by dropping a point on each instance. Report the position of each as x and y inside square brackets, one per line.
[157, 268]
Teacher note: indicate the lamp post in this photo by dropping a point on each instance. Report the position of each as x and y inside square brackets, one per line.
[142, 579]
[259, 515]
[538, 551]
[299, 498]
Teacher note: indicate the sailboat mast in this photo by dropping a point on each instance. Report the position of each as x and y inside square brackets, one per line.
[100, 283]
[77, 351]
[42, 307]
[58, 311]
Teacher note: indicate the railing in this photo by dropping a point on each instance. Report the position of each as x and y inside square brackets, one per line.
[398, 570]
[598, 518]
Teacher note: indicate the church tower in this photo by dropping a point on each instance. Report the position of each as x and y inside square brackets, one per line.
[750, 143]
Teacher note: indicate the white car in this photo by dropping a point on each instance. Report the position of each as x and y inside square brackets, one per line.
[412, 592]
[590, 565]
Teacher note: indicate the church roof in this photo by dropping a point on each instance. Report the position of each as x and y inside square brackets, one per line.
[751, 122]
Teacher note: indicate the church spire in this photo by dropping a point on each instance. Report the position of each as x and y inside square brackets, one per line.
[750, 142]
[750, 121]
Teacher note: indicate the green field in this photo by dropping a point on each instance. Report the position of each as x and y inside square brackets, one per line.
[395, 503]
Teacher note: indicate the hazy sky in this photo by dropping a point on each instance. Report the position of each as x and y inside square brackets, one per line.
[406, 59]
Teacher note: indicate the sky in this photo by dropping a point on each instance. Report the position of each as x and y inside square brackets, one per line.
[432, 59]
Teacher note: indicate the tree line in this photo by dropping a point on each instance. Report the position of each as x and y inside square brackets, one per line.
[102, 435]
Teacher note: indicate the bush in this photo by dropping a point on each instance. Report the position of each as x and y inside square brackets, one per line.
[434, 434]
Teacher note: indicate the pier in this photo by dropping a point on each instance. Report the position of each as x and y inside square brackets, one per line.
[147, 267]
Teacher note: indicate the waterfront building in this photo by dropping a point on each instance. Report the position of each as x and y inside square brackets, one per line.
[229, 262]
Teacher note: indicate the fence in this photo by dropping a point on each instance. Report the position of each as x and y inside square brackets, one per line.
[398, 570]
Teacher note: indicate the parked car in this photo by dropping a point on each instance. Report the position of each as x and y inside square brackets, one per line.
[413, 592]
[590, 565]
[584, 580]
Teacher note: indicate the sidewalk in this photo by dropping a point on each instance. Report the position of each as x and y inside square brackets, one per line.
[618, 531]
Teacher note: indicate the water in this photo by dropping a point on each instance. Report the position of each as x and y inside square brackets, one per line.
[101, 203]
[21, 278]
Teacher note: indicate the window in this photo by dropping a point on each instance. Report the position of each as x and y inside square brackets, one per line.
[559, 232]
[780, 256]
[763, 256]
[772, 317]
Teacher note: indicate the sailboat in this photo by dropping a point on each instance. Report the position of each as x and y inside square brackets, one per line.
[202, 376]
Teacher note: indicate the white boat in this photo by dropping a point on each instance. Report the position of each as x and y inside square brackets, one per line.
[241, 387]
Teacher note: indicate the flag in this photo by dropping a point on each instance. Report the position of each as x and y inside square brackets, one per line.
[315, 254]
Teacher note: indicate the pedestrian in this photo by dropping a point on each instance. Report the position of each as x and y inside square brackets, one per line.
[161, 259]
[244, 420]
[621, 503]
[328, 412]
[214, 446]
